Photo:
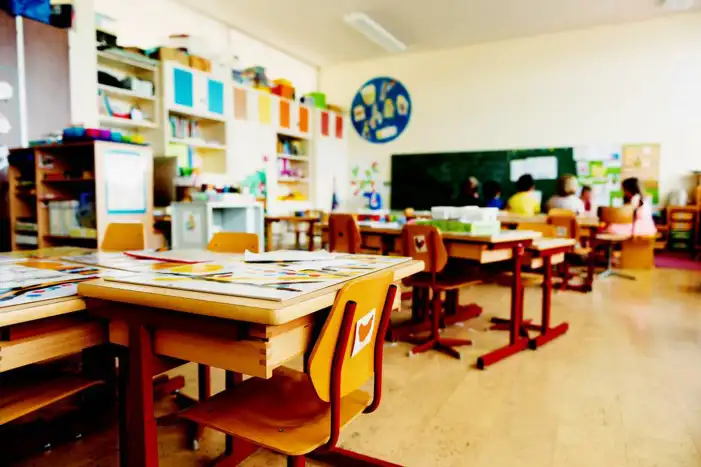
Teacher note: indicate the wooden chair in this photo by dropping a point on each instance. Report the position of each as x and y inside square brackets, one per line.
[567, 226]
[123, 236]
[344, 233]
[302, 228]
[608, 216]
[234, 242]
[425, 243]
[528, 278]
[301, 414]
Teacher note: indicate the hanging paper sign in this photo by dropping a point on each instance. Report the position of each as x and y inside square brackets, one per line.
[381, 110]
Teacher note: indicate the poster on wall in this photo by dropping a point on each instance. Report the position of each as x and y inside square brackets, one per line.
[125, 182]
[381, 110]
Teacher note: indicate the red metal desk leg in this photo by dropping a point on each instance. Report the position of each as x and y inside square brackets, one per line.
[546, 332]
[517, 343]
[141, 444]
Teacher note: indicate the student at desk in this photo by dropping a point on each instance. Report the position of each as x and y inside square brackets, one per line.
[524, 201]
[643, 223]
[491, 191]
[566, 196]
[587, 198]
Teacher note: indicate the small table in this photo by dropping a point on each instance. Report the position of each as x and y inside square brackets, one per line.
[240, 335]
[270, 220]
[546, 249]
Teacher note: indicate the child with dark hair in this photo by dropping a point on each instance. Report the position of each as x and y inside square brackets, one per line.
[587, 198]
[524, 202]
[643, 224]
[491, 191]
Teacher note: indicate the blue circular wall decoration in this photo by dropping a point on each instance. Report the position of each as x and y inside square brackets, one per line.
[381, 110]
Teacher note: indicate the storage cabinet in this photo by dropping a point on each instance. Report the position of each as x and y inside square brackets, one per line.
[195, 91]
[682, 222]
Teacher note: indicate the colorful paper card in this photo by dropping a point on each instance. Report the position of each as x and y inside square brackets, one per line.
[271, 281]
[240, 104]
[264, 111]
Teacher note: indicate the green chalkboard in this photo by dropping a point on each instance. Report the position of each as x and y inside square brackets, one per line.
[425, 180]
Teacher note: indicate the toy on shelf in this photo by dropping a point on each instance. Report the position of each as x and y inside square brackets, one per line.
[79, 133]
[283, 88]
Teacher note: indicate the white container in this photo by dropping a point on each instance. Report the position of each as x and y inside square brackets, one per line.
[442, 212]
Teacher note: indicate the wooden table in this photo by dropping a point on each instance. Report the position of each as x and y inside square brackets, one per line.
[241, 335]
[587, 224]
[270, 220]
[525, 248]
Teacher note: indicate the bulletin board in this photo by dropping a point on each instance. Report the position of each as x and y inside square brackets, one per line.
[381, 110]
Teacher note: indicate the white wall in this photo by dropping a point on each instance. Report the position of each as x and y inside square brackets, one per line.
[148, 23]
[619, 84]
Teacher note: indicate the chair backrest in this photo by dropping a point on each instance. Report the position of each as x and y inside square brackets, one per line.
[123, 236]
[425, 243]
[548, 231]
[620, 215]
[565, 223]
[344, 233]
[352, 336]
[233, 242]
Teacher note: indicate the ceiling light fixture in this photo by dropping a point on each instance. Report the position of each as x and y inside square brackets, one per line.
[677, 5]
[374, 31]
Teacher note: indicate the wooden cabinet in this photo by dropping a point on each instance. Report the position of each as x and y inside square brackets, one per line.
[682, 224]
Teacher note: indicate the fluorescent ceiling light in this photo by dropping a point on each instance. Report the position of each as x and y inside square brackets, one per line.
[677, 5]
[374, 31]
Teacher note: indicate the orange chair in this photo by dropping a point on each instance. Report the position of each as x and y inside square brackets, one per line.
[344, 233]
[123, 236]
[234, 242]
[300, 415]
[425, 243]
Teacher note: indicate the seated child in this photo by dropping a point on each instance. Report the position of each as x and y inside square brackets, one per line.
[566, 196]
[643, 223]
[524, 202]
[491, 190]
[587, 198]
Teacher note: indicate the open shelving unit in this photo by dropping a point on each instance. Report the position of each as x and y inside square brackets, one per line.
[59, 192]
[134, 94]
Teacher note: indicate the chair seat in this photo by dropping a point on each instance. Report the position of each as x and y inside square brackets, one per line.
[528, 279]
[581, 251]
[283, 413]
[444, 281]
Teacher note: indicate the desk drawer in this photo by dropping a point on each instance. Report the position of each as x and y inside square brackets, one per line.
[258, 351]
[51, 342]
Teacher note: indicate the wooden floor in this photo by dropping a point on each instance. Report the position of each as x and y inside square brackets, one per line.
[622, 388]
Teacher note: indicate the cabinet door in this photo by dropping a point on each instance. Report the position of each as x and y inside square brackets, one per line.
[183, 93]
[215, 96]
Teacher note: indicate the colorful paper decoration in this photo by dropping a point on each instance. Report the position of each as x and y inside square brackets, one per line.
[240, 104]
[381, 110]
[324, 123]
[303, 119]
[264, 108]
[339, 126]
[284, 114]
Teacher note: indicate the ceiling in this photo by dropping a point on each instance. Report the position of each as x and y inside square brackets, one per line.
[314, 30]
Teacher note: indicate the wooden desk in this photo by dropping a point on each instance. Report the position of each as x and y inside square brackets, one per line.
[270, 220]
[589, 225]
[241, 335]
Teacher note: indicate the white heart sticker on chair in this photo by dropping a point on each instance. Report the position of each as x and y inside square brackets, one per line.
[364, 328]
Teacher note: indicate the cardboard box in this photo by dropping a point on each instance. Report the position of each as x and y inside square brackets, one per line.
[199, 63]
[167, 54]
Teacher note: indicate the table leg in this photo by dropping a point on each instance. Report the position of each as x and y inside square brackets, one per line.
[517, 342]
[140, 443]
[268, 235]
[546, 332]
[310, 234]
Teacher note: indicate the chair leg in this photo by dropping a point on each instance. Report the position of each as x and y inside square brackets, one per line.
[296, 461]
[434, 340]
[339, 457]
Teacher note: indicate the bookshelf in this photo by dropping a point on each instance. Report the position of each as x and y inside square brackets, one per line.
[67, 194]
